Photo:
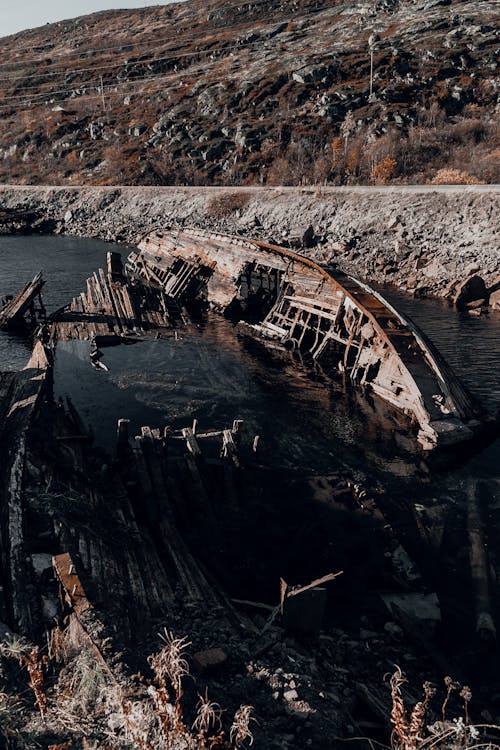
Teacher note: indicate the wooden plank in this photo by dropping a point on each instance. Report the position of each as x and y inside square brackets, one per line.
[14, 310]
[74, 593]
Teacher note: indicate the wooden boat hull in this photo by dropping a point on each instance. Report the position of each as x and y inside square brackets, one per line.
[339, 320]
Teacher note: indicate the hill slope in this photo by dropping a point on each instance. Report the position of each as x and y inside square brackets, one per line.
[278, 92]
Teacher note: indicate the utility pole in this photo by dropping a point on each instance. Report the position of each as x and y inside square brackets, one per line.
[372, 40]
[102, 94]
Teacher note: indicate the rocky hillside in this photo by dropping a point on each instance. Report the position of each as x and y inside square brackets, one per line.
[275, 92]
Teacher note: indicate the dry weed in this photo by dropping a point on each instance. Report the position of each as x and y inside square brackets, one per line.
[170, 662]
[225, 204]
[208, 715]
[10, 716]
[455, 734]
[240, 728]
[29, 658]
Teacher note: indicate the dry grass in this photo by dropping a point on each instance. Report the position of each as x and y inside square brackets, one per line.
[459, 733]
[226, 204]
[11, 710]
[455, 177]
[240, 728]
[33, 662]
[157, 723]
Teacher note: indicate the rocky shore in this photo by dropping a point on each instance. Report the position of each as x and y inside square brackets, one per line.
[442, 242]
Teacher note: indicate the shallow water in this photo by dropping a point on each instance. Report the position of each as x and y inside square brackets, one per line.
[211, 374]
[66, 263]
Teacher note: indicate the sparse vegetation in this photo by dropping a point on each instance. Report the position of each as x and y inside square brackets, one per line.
[223, 205]
[177, 109]
[84, 702]
[455, 177]
[413, 733]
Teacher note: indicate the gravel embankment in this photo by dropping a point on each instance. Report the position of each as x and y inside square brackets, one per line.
[421, 239]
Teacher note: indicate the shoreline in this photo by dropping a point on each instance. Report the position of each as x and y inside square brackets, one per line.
[424, 240]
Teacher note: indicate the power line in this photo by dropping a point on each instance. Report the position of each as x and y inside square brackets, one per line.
[175, 37]
[93, 82]
[41, 97]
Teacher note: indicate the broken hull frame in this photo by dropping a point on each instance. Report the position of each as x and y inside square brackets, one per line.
[330, 315]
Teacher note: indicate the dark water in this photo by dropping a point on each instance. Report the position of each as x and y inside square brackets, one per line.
[471, 344]
[66, 263]
[209, 373]
[212, 375]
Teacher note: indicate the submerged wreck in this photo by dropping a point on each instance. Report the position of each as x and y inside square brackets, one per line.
[98, 552]
[285, 299]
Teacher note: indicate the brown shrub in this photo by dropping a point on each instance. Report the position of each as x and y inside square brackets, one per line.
[454, 177]
[382, 172]
[223, 204]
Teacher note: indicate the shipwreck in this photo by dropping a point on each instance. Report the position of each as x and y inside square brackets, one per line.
[192, 527]
[285, 299]
[278, 297]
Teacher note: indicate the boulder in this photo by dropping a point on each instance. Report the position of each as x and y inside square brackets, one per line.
[495, 299]
[309, 237]
[469, 290]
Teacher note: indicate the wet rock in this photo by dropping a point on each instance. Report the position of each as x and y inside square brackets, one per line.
[470, 290]
[494, 301]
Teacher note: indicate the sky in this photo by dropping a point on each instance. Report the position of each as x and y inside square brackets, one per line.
[26, 14]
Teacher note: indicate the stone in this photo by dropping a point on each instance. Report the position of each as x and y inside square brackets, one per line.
[469, 290]
[309, 238]
[494, 300]
[211, 658]
[68, 216]
[41, 562]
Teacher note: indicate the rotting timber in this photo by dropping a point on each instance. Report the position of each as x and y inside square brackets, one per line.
[161, 532]
[14, 310]
[288, 300]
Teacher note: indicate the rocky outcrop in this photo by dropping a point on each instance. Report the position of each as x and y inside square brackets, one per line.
[424, 241]
[207, 92]
[470, 291]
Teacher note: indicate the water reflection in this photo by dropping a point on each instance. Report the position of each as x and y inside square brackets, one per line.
[213, 375]
[66, 263]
